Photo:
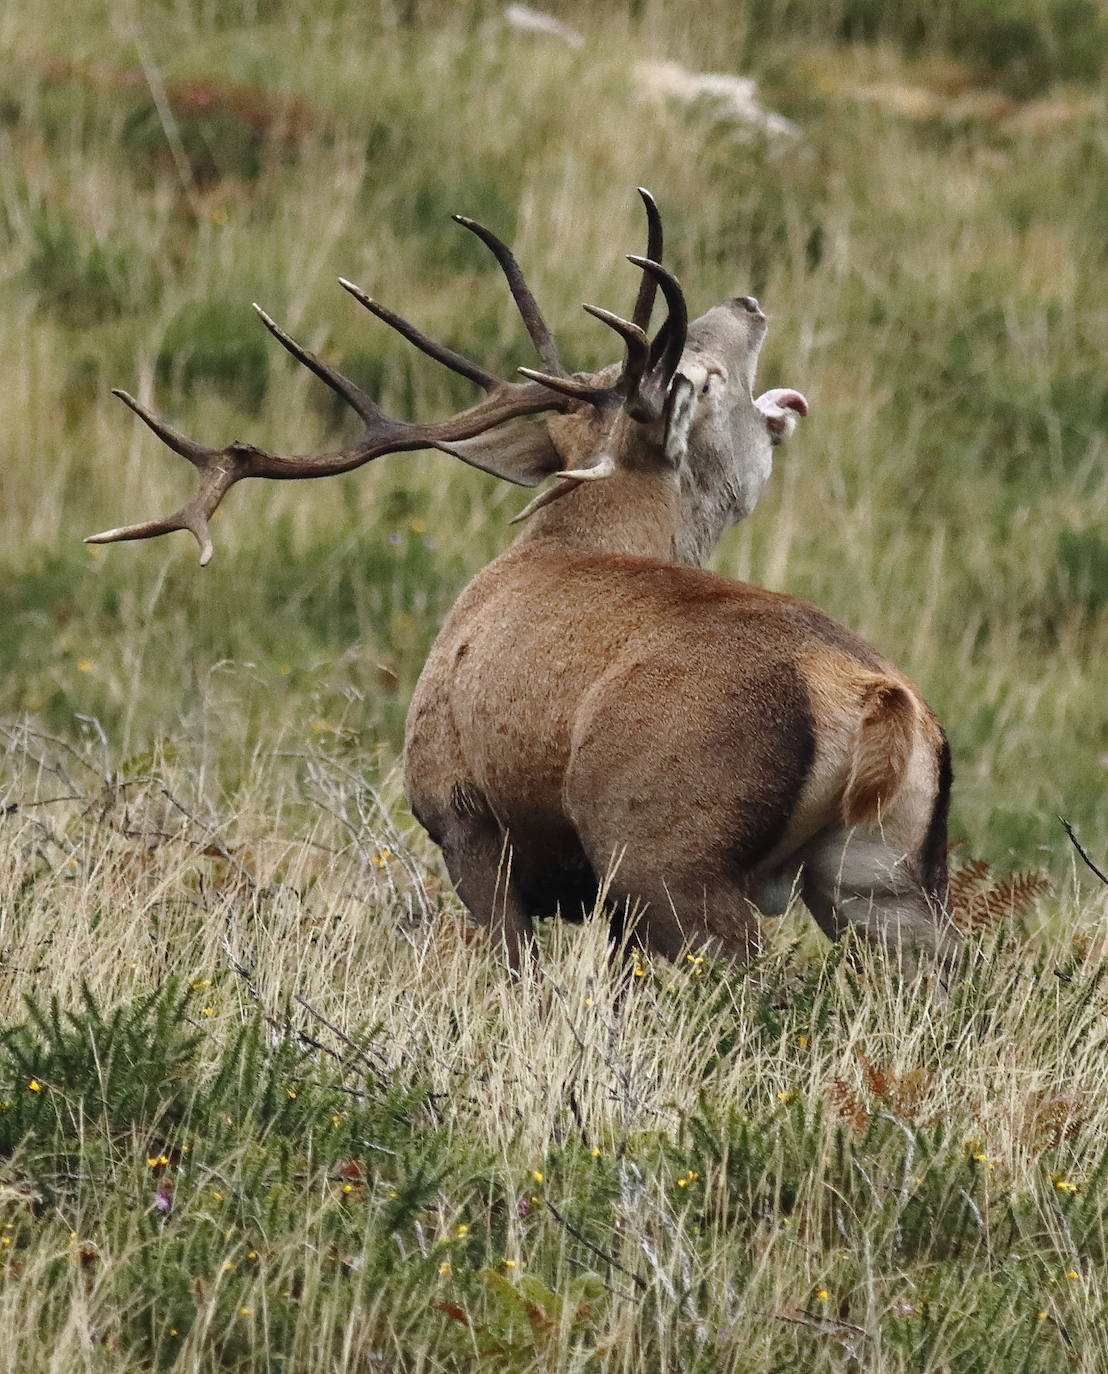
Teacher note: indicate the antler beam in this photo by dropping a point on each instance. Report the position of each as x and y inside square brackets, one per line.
[221, 468]
[646, 371]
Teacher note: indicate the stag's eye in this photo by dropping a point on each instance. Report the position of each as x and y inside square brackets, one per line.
[715, 378]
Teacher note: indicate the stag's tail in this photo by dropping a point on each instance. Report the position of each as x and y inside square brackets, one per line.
[887, 733]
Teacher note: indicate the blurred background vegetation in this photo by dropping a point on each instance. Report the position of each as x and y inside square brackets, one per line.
[930, 241]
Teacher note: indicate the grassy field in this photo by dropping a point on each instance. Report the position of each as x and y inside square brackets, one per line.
[266, 1103]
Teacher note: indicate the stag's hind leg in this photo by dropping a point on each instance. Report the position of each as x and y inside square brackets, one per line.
[675, 911]
[479, 860]
[856, 879]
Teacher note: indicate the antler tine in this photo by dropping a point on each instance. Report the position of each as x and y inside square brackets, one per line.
[219, 468]
[634, 365]
[638, 349]
[456, 362]
[198, 526]
[669, 342]
[644, 304]
[526, 304]
[199, 455]
[569, 386]
[363, 404]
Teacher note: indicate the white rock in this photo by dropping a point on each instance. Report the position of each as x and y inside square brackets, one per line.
[736, 97]
[535, 21]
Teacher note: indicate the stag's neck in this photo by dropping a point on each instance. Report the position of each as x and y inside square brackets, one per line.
[704, 517]
[627, 513]
[716, 494]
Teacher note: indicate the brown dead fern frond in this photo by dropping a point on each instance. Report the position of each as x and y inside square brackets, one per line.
[1051, 1119]
[903, 1095]
[981, 904]
[848, 1104]
[966, 880]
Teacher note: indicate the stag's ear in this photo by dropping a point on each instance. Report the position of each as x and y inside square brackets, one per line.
[782, 408]
[679, 413]
[521, 453]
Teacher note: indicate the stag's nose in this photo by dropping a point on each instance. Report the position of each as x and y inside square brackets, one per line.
[749, 304]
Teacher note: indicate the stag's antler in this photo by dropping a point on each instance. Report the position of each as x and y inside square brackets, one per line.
[648, 367]
[640, 388]
[221, 468]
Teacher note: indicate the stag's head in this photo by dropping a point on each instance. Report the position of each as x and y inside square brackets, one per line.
[725, 449]
[679, 409]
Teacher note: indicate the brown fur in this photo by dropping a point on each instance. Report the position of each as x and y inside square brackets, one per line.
[675, 735]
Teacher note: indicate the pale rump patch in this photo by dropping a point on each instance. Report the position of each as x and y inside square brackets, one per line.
[882, 749]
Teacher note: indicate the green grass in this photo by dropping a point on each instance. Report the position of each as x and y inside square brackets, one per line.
[200, 816]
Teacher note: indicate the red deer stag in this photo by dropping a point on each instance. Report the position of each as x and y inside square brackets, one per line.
[602, 719]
